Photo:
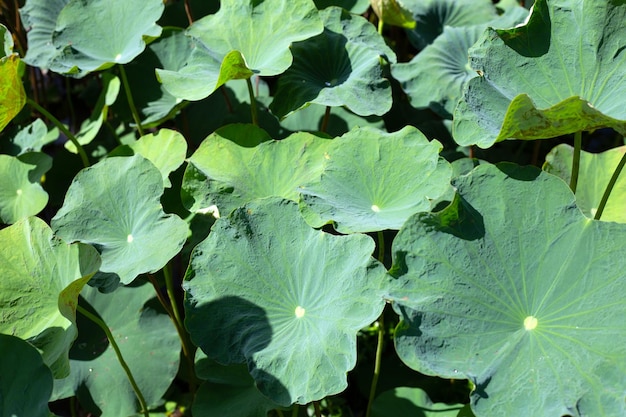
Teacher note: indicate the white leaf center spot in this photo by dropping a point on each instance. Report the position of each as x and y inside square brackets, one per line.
[19, 192]
[593, 211]
[118, 57]
[299, 312]
[530, 323]
[375, 208]
[129, 238]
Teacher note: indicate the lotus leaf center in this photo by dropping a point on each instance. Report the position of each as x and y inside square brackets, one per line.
[375, 208]
[530, 323]
[129, 238]
[19, 192]
[300, 312]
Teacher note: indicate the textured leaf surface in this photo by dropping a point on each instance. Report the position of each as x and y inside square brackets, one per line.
[594, 175]
[560, 73]
[339, 67]
[21, 194]
[374, 180]
[224, 173]
[26, 382]
[515, 289]
[264, 31]
[12, 94]
[65, 37]
[147, 339]
[289, 303]
[115, 206]
[41, 279]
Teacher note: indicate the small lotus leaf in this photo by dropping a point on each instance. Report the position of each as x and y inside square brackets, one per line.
[512, 287]
[115, 206]
[341, 66]
[594, 174]
[7, 42]
[41, 279]
[147, 339]
[21, 193]
[353, 6]
[531, 89]
[227, 175]
[26, 382]
[65, 37]
[12, 94]
[31, 138]
[288, 303]
[361, 188]
[264, 32]
[406, 401]
[392, 12]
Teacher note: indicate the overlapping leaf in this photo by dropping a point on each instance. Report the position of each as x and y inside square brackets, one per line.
[288, 303]
[26, 382]
[31, 138]
[115, 206]
[560, 73]
[514, 288]
[12, 94]
[407, 401]
[254, 35]
[41, 279]
[226, 174]
[147, 339]
[339, 67]
[65, 37]
[362, 189]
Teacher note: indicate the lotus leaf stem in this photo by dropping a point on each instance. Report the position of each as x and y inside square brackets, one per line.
[325, 120]
[253, 109]
[318, 411]
[62, 128]
[378, 360]
[131, 102]
[609, 187]
[120, 358]
[295, 410]
[573, 183]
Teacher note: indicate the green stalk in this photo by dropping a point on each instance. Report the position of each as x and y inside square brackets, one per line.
[379, 356]
[381, 247]
[325, 120]
[296, 409]
[573, 183]
[70, 105]
[131, 102]
[609, 187]
[62, 128]
[318, 411]
[253, 109]
[120, 358]
[280, 413]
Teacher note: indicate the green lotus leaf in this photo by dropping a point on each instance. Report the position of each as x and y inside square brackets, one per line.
[595, 171]
[289, 303]
[166, 149]
[406, 401]
[147, 339]
[7, 42]
[65, 37]
[31, 138]
[115, 206]
[225, 174]
[91, 126]
[228, 391]
[392, 12]
[435, 77]
[265, 31]
[21, 193]
[41, 279]
[361, 189]
[353, 6]
[26, 382]
[341, 66]
[432, 16]
[512, 287]
[530, 90]
[12, 94]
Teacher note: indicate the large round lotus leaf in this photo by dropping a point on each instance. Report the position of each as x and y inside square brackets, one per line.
[435, 77]
[374, 180]
[41, 279]
[340, 67]
[414, 402]
[166, 149]
[77, 37]
[228, 391]
[12, 94]
[594, 175]
[512, 287]
[227, 175]
[115, 206]
[21, 194]
[30, 138]
[26, 382]
[254, 35]
[147, 339]
[266, 289]
[431, 16]
[560, 73]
